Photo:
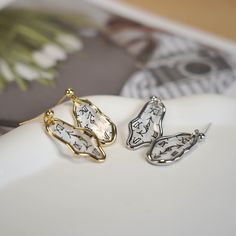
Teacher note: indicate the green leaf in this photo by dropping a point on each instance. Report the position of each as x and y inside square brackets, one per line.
[21, 83]
[2, 83]
[45, 82]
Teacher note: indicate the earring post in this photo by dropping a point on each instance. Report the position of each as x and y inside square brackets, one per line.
[207, 127]
[61, 100]
[30, 120]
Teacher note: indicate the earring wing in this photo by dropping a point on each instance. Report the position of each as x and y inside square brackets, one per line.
[147, 126]
[81, 141]
[168, 149]
[88, 116]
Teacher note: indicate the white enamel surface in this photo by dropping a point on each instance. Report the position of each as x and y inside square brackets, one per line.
[146, 126]
[169, 149]
[43, 192]
[88, 118]
[79, 140]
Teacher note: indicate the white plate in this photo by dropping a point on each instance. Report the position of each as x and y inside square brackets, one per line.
[44, 192]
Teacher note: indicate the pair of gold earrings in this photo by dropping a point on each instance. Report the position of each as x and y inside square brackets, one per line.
[93, 129]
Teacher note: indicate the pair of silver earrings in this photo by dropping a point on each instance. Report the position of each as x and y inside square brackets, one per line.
[146, 130]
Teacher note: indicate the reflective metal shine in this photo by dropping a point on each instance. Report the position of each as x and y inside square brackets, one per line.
[79, 140]
[90, 117]
[169, 149]
[147, 126]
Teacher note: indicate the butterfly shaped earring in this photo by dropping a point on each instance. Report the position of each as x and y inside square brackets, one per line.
[146, 130]
[88, 116]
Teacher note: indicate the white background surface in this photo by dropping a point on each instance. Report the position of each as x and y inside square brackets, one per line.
[44, 192]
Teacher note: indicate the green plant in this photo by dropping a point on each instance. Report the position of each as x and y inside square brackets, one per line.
[33, 43]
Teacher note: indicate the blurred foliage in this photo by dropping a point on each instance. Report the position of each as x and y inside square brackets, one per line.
[33, 43]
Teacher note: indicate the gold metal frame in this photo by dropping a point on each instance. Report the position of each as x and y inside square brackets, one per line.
[48, 118]
[113, 126]
[85, 131]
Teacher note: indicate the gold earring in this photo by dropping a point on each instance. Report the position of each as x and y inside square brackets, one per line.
[80, 141]
[88, 116]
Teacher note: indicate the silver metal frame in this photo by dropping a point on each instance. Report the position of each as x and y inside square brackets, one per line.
[195, 137]
[130, 135]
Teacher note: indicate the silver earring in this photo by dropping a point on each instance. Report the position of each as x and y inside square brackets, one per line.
[169, 149]
[147, 126]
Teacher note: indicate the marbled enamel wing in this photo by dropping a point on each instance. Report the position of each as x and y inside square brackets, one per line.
[88, 116]
[168, 149]
[81, 141]
[147, 126]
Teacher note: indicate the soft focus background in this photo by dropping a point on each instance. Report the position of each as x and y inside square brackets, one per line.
[47, 46]
[217, 17]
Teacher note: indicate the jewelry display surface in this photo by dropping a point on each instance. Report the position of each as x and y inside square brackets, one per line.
[44, 191]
